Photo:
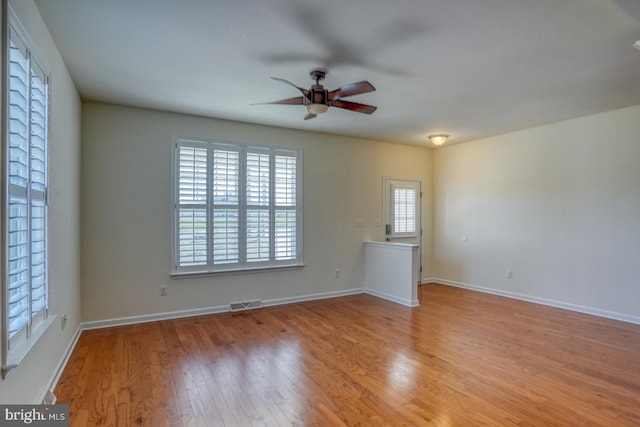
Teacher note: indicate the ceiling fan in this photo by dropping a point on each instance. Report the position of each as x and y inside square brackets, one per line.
[317, 99]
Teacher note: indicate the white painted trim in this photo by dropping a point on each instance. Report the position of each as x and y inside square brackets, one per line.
[312, 297]
[57, 372]
[121, 321]
[394, 245]
[393, 298]
[145, 318]
[14, 357]
[537, 300]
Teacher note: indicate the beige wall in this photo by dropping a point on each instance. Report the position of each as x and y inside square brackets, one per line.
[27, 382]
[126, 211]
[559, 205]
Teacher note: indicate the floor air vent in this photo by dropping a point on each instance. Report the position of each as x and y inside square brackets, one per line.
[245, 305]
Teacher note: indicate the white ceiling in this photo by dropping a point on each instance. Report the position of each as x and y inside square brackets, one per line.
[470, 68]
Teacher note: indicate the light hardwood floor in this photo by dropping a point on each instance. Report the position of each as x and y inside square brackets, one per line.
[462, 358]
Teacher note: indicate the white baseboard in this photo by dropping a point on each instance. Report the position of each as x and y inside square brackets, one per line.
[53, 381]
[132, 320]
[403, 301]
[311, 297]
[552, 303]
[121, 321]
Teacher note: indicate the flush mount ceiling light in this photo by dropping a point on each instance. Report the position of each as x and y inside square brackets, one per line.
[637, 45]
[438, 139]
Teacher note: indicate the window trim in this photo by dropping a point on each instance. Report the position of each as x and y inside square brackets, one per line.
[243, 266]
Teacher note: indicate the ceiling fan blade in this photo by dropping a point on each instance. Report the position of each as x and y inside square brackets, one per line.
[353, 106]
[351, 89]
[280, 58]
[305, 92]
[298, 100]
[310, 116]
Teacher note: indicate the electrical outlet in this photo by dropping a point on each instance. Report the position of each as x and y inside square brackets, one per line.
[338, 273]
[509, 274]
[163, 290]
[63, 321]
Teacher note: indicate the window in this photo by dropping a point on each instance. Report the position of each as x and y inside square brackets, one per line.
[403, 201]
[237, 207]
[25, 230]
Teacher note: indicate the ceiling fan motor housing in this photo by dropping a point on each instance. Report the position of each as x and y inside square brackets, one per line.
[319, 95]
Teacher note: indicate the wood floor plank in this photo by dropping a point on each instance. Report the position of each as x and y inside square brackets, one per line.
[461, 358]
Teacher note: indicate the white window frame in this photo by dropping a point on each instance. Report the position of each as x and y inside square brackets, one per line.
[269, 259]
[17, 342]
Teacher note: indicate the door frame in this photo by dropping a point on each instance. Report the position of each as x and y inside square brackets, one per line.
[386, 213]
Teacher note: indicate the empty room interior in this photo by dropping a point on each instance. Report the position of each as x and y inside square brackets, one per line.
[329, 213]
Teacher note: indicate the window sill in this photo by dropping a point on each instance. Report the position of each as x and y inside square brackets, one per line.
[195, 274]
[16, 356]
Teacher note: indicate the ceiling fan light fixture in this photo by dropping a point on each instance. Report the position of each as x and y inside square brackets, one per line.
[317, 108]
[438, 139]
[317, 99]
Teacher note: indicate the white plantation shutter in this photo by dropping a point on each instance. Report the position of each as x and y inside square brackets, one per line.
[403, 201]
[258, 200]
[38, 192]
[192, 202]
[18, 156]
[26, 263]
[249, 202]
[226, 204]
[285, 206]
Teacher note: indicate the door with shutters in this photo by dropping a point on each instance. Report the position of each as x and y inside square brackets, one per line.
[402, 212]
